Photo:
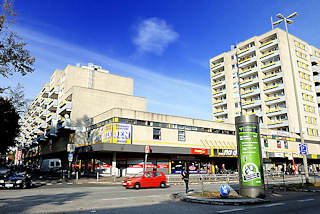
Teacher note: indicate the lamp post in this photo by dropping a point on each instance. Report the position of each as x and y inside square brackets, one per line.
[289, 21]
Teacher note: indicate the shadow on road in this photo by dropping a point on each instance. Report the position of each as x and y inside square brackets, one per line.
[22, 204]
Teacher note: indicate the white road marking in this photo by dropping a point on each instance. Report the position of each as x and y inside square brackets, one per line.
[304, 200]
[49, 184]
[69, 183]
[232, 210]
[272, 205]
[124, 198]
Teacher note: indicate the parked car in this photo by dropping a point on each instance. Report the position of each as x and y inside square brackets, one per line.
[4, 170]
[146, 179]
[50, 165]
[16, 180]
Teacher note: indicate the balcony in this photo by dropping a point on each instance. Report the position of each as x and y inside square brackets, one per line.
[275, 100]
[267, 45]
[247, 62]
[220, 112]
[44, 102]
[217, 66]
[314, 58]
[269, 55]
[246, 51]
[52, 105]
[218, 84]
[316, 78]
[43, 125]
[249, 82]
[53, 94]
[316, 68]
[221, 120]
[44, 114]
[277, 111]
[317, 89]
[270, 66]
[65, 107]
[258, 113]
[273, 88]
[219, 93]
[272, 77]
[220, 103]
[45, 92]
[248, 72]
[217, 75]
[51, 116]
[278, 124]
[250, 93]
[251, 104]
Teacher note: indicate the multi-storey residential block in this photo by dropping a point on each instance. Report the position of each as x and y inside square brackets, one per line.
[255, 78]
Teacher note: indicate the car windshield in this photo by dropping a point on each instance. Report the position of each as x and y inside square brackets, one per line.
[138, 175]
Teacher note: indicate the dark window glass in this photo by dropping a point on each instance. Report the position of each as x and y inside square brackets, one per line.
[156, 134]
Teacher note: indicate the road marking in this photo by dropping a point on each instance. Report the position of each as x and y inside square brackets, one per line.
[49, 184]
[69, 183]
[272, 205]
[304, 200]
[232, 210]
[147, 196]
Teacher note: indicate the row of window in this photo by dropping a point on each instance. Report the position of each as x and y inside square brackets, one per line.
[301, 55]
[300, 45]
[307, 97]
[308, 108]
[266, 144]
[305, 76]
[313, 132]
[161, 125]
[311, 120]
[302, 65]
[306, 86]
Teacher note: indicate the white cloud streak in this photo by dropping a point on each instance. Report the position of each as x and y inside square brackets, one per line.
[164, 94]
[154, 35]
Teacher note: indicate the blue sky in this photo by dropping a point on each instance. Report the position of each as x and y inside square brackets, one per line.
[164, 45]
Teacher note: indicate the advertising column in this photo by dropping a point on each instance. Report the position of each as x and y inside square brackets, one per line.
[251, 179]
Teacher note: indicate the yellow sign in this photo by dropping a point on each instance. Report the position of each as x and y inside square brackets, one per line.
[314, 156]
[120, 133]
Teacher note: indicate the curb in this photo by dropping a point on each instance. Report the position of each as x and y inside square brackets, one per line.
[217, 201]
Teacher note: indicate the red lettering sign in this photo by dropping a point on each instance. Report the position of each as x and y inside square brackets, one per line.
[198, 151]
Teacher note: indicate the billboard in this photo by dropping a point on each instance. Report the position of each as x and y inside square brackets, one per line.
[120, 133]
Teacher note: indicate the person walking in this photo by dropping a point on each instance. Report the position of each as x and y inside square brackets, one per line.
[185, 177]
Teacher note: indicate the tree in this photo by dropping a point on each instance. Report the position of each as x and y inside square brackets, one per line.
[17, 98]
[14, 58]
[9, 126]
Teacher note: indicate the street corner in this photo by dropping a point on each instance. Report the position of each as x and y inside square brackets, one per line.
[196, 197]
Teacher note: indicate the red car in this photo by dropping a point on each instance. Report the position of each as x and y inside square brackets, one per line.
[146, 179]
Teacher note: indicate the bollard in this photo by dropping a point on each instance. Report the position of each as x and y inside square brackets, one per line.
[77, 175]
[202, 187]
[97, 176]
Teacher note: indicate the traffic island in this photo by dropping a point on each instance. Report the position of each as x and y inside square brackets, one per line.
[214, 199]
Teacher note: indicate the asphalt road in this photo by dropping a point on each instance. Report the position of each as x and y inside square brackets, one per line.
[77, 198]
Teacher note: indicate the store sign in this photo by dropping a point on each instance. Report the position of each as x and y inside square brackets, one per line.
[249, 155]
[223, 153]
[279, 155]
[120, 133]
[197, 151]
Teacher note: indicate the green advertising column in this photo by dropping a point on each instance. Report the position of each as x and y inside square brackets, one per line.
[250, 170]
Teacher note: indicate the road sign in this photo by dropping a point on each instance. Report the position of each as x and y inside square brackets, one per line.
[70, 157]
[147, 149]
[303, 149]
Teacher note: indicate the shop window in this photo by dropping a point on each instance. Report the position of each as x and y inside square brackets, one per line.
[156, 134]
[141, 122]
[265, 142]
[286, 144]
[181, 135]
[279, 144]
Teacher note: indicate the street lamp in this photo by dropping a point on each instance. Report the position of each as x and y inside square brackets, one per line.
[289, 21]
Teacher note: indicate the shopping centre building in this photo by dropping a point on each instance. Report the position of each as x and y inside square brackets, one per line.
[110, 127]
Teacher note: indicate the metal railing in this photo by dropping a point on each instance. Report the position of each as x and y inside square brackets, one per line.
[212, 178]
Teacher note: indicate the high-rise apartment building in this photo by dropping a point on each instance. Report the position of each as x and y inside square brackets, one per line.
[255, 77]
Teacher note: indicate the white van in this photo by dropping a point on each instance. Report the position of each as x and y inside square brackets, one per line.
[49, 165]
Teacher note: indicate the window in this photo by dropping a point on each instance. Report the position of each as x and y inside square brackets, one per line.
[265, 142]
[279, 144]
[157, 174]
[52, 164]
[148, 175]
[156, 134]
[232, 57]
[286, 144]
[181, 135]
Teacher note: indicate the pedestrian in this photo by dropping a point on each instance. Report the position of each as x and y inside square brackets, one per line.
[185, 177]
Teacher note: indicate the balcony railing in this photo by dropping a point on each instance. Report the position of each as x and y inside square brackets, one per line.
[274, 100]
[217, 75]
[247, 62]
[272, 77]
[278, 123]
[270, 66]
[52, 105]
[246, 51]
[218, 84]
[219, 103]
[250, 93]
[278, 111]
[220, 112]
[65, 107]
[251, 104]
[54, 92]
[217, 66]
[248, 72]
[219, 93]
[268, 44]
[269, 55]
[249, 82]
[273, 88]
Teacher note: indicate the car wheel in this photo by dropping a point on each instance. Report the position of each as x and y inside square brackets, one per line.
[162, 184]
[137, 186]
